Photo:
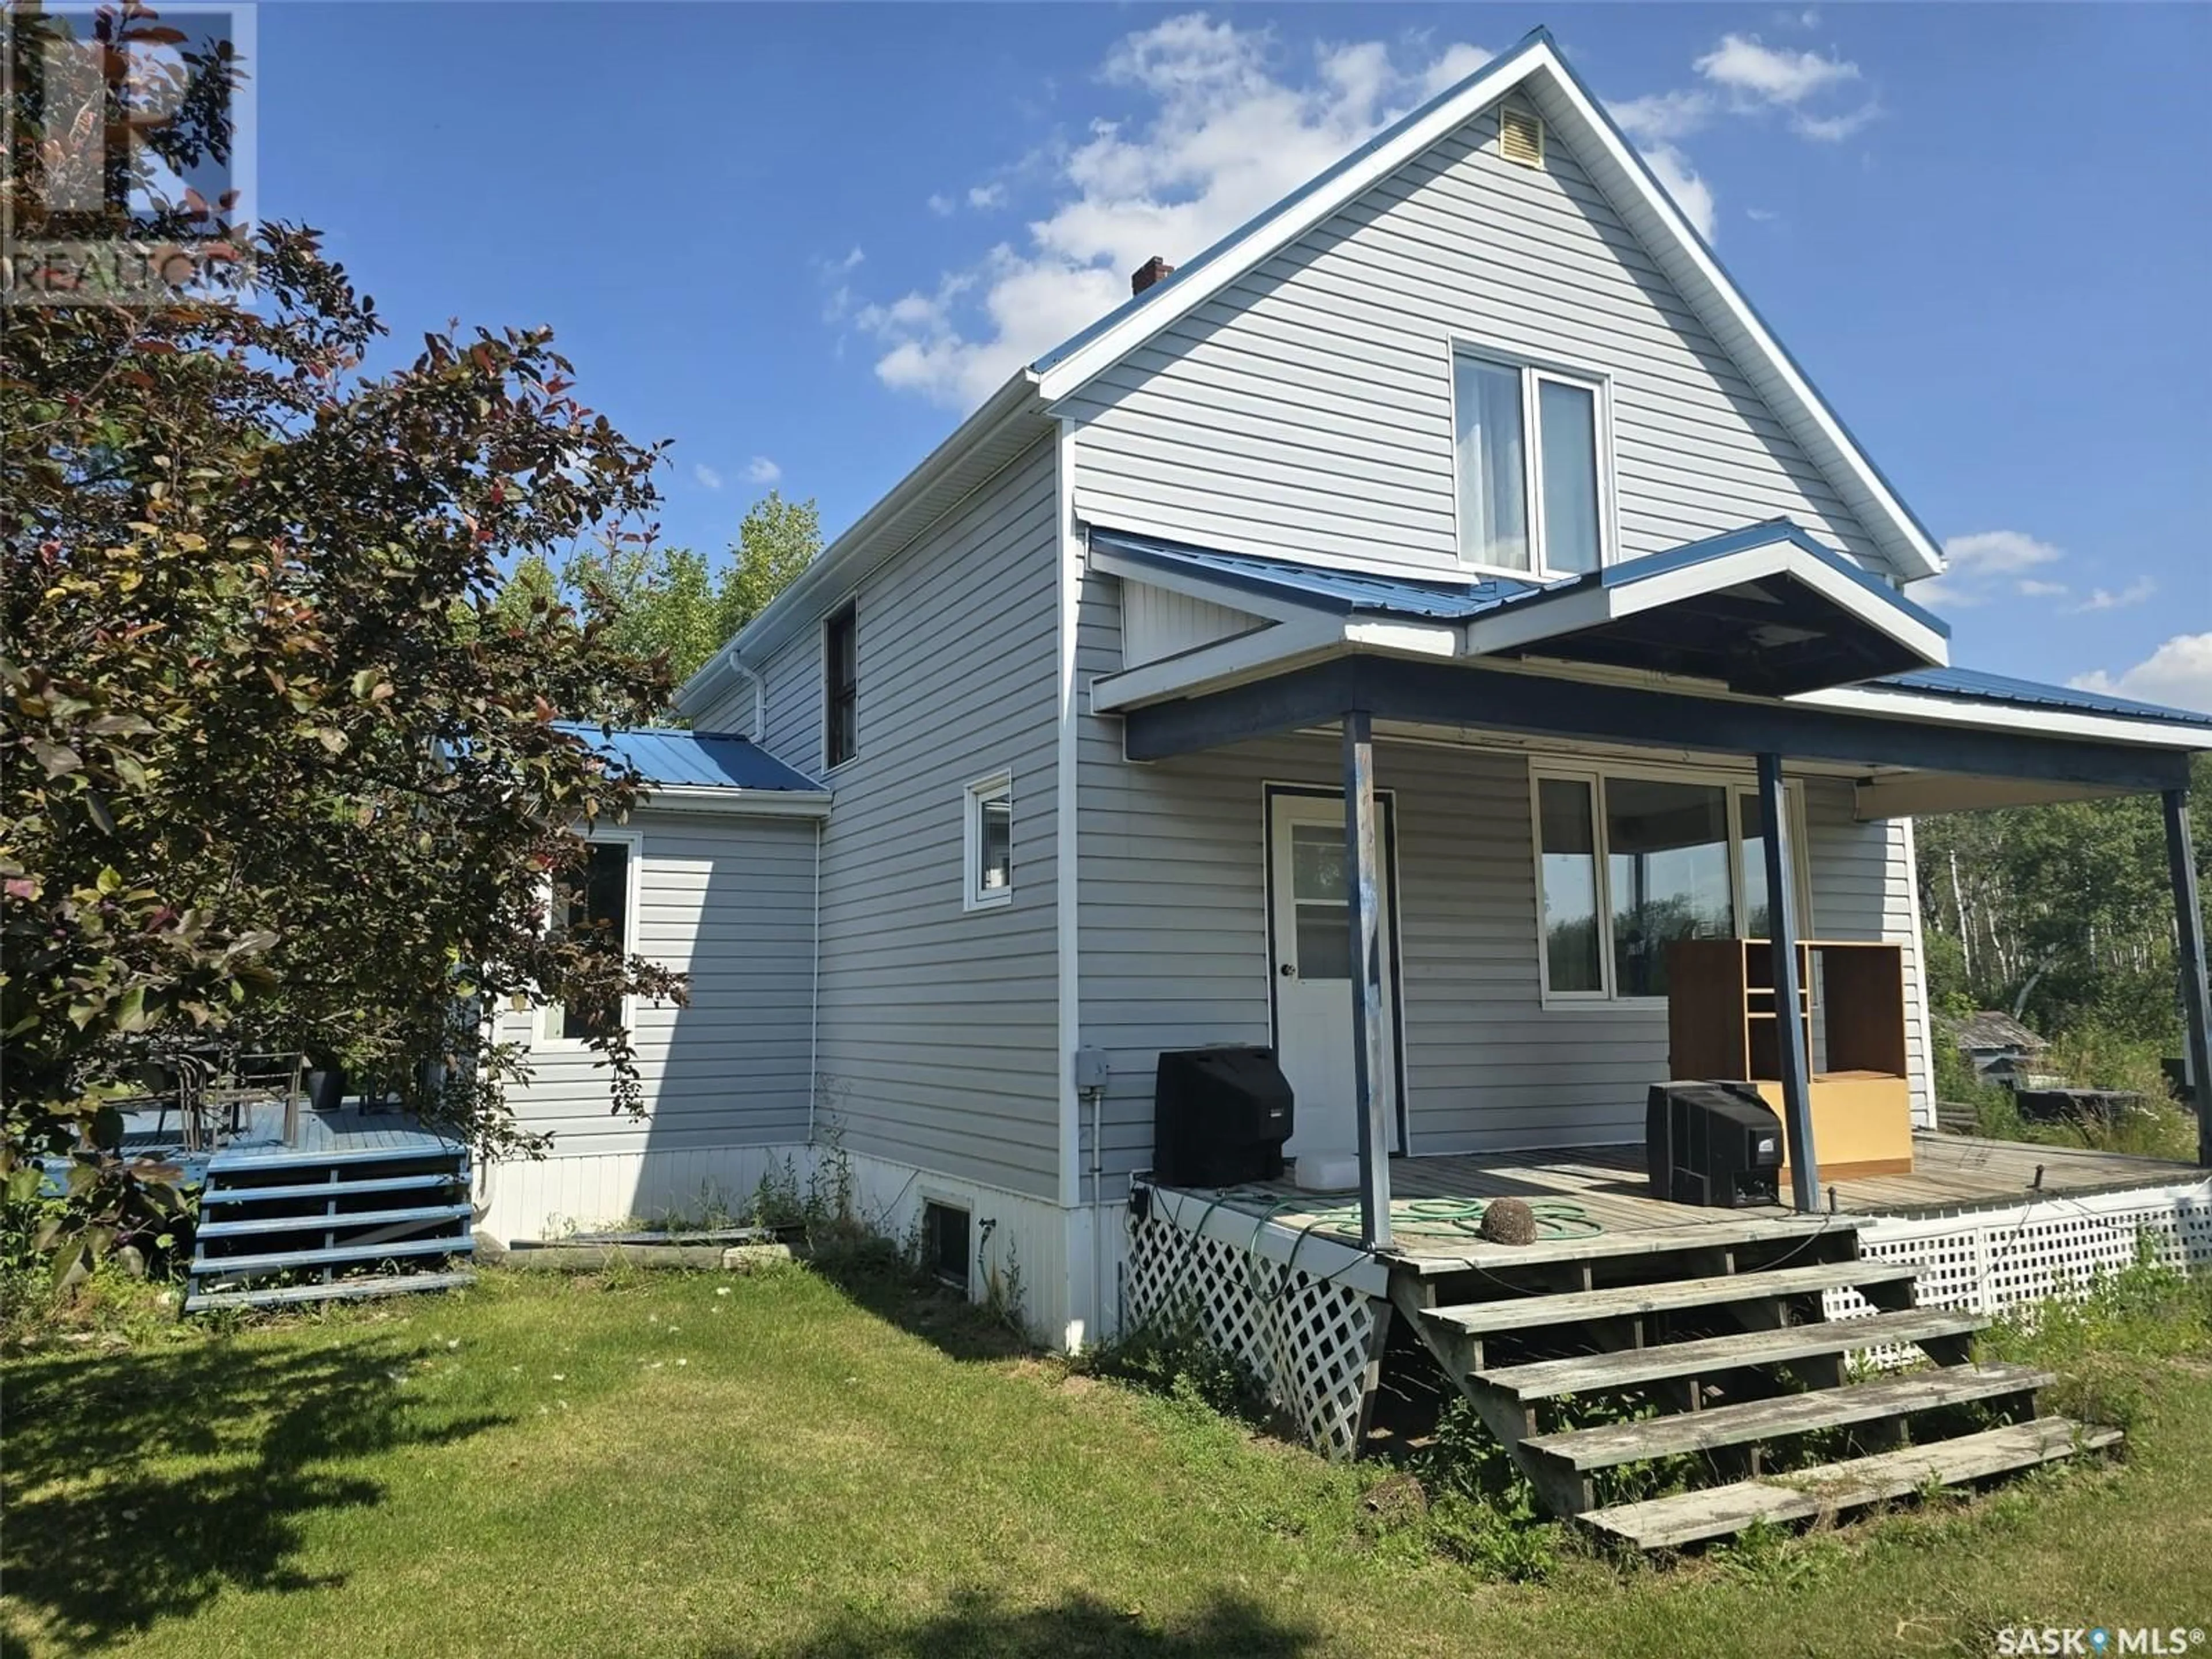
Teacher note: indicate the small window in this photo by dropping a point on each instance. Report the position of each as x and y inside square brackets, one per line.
[1529, 468]
[595, 895]
[841, 661]
[945, 1244]
[989, 842]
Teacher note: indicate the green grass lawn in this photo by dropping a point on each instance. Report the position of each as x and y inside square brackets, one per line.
[697, 1464]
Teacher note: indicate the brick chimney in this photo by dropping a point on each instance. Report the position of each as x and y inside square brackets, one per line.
[1153, 271]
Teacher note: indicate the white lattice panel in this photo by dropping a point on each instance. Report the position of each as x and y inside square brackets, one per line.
[1988, 1261]
[1305, 1340]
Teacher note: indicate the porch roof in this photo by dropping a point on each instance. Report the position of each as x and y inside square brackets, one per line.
[708, 771]
[1766, 610]
[1851, 674]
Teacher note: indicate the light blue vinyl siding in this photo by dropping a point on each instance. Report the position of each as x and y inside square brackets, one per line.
[729, 901]
[1307, 410]
[938, 1025]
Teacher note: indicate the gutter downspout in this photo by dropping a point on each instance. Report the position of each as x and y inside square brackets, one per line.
[814, 994]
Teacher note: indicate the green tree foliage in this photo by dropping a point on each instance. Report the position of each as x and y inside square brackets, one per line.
[672, 603]
[276, 767]
[2065, 913]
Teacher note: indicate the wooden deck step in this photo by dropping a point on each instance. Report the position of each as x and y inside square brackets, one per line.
[309, 1221]
[1624, 1368]
[230, 1267]
[1689, 1517]
[215, 1196]
[337, 1290]
[1883, 1398]
[1521, 1313]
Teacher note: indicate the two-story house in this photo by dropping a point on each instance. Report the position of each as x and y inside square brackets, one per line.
[1382, 639]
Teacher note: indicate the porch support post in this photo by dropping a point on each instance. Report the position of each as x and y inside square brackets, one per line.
[1789, 993]
[2189, 933]
[1364, 894]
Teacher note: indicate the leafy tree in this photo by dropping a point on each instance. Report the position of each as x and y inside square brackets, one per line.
[670, 603]
[2062, 914]
[277, 768]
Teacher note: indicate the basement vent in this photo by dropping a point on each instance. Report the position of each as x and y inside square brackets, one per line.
[1521, 136]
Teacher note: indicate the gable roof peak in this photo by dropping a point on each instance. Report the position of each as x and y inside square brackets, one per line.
[1534, 66]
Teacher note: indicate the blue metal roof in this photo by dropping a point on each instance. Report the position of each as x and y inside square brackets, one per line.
[1344, 593]
[673, 758]
[2033, 694]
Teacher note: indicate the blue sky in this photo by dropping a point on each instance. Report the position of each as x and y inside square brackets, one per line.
[799, 241]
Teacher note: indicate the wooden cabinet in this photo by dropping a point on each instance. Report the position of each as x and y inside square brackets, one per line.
[1722, 1024]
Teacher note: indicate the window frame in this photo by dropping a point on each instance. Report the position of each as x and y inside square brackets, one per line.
[549, 1020]
[974, 896]
[832, 693]
[1735, 782]
[1534, 372]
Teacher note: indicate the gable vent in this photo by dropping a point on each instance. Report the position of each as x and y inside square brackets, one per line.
[1521, 136]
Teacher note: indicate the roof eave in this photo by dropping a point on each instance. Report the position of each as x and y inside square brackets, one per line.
[734, 800]
[1017, 397]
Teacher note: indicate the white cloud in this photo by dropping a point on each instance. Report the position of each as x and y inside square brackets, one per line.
[942, 205]
[1997, 552]
[1833, 129]
[1223, 133]
[1660, 118]
[987, 196]
[1772, 75]
[849, 261]
[1761, 216]
[705, 475]
[1978, 566]
[1691, 193]
[2104, 599]
[2178, 673]
[761, 470]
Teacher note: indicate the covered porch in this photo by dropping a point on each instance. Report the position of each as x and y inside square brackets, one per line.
[1760, 650]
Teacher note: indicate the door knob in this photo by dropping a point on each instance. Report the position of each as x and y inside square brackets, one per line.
[1288, 971]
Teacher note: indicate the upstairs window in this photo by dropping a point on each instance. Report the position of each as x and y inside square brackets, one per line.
[1530, 479]
[841, 663]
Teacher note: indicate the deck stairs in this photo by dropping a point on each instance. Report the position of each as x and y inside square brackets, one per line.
[332, 1221]
[1713, 1372]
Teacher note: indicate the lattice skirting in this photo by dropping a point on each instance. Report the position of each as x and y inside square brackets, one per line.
[1310, 1344]
[1986, 1262]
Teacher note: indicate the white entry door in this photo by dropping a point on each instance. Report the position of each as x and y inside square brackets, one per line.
[1308, 909]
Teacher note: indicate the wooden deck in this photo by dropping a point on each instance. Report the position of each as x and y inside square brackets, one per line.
[1595, 1201]
[345, 1134]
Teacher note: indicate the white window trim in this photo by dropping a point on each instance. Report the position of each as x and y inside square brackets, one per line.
[850, 601]
[547, 1021]
[1535, 370]
[997, 785]
[1734, 781]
